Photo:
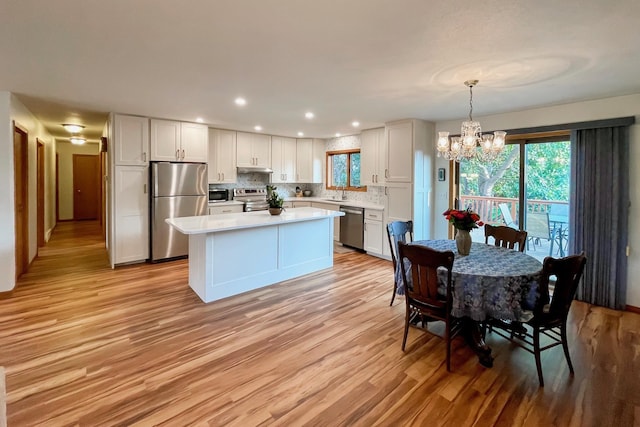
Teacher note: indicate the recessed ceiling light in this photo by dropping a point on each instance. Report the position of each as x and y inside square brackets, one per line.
[355, 124]
[300, 133]
[200, 120]
[338, 134]
[309, 115]
[258, 128]
[72, 128]
[78, 140]
[240, 101]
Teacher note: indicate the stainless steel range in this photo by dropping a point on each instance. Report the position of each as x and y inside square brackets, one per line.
[255, 199]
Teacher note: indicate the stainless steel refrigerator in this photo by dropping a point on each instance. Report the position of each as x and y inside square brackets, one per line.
[177, 190]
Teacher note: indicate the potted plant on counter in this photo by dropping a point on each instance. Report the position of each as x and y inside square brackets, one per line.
[275, 203]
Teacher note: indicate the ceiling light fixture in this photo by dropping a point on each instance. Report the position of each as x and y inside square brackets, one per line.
[77, 140]
[240, 101]
[309, 115]
[200, 120]
[71, 128]
[258, 128]
[338, 135]
[300, 133]
[355, 124]
[464, 146]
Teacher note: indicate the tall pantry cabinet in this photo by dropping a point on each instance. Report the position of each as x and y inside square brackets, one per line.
[128, 149]
[409, 175]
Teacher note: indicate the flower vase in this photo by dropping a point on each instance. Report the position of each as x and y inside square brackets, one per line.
[463, 242]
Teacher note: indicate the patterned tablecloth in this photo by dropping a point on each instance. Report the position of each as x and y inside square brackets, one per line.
[490, 281]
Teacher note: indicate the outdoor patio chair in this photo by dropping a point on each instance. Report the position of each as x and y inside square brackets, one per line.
[506, 215]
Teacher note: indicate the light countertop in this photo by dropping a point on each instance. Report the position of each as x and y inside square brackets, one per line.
[236, 221]
[336, 202]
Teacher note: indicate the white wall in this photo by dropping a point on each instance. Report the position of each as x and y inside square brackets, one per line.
[11, 109]
[607, 108]
[65, 151]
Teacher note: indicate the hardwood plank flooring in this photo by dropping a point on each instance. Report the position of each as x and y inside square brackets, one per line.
[82, 344]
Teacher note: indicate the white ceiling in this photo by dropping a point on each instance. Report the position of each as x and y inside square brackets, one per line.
[366, 60]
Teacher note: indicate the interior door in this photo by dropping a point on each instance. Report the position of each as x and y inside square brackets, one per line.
[86, 186]
[21, 179]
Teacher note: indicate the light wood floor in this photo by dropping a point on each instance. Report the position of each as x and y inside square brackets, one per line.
[84, 345]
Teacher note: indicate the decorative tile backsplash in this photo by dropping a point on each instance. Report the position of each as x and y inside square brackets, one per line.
[258, 180]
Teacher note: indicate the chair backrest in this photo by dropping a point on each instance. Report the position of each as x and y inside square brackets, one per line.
[506, 215]
[398, 231]
[538, 225]
[421, 281]
[568, 271]
[506, 237]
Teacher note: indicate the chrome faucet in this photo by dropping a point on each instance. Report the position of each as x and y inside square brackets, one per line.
[344, 196]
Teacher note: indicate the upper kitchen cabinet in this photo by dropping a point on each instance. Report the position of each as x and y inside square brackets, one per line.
[253, 150]
[222, 156]
[399, 151]
[131, 140]
[283, 159]
[372, 157]
[309, 160]
[173, 141]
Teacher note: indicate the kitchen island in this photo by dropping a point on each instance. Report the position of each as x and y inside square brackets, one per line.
[234, 253]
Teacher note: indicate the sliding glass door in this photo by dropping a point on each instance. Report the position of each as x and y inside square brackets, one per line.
[526, 187]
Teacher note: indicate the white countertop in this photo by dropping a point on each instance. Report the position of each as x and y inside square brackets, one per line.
[236, 221]
[337, 202]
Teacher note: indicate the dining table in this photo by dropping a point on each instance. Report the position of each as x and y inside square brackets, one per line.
[490, 282]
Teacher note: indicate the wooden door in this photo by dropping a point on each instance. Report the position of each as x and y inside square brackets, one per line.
[86, 187]
[40, 157]
[21, 177]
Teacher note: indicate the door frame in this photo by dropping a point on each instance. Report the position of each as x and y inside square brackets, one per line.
[40, 153]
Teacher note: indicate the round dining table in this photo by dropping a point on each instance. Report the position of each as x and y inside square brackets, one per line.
[491, 281]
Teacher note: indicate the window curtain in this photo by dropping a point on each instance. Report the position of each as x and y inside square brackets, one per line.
[599, 212]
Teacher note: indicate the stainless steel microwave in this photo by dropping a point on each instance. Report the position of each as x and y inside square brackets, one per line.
[218, 195]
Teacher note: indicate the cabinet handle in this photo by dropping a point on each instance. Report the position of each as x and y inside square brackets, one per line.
[223, 176]
[144, 156]
[177, 154]
[145, 188]
[182, 155]
[386, 173]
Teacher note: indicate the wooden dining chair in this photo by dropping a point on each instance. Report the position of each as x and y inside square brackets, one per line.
[506, 237]
[398, 231]
[550, 314]
[421, 290]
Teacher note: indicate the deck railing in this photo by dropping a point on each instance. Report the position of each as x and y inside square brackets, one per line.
[489, 207]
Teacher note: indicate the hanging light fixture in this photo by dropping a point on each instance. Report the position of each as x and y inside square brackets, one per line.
[464, 146]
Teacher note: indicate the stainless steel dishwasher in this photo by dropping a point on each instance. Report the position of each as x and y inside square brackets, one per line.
[352, 227]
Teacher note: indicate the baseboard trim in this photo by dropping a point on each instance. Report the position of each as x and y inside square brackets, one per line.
[632, 309]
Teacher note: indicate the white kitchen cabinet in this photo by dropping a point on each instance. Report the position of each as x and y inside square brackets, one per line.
[253, 150]
[309, 160]
[194, 139]
[399, 150]
[216, 210]
[283, 159]
[130, 140]
[336, 220]
[398, 206]
[131, 214]
[373, 235]
[222, 157]
[373, 157]
[173, 141]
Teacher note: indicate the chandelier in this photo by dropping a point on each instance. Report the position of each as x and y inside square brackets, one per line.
[464, 146]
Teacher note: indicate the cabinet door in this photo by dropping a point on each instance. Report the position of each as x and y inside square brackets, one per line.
[336, 220]
[222, 156]
[131, 140]
[368, 157]
[194, 139]
[165, 140]
[304, 160]
[131, 207]
[319, 161]
[283, 151]
[373, 236]
[244, 153]
[399, 137]
[261, 148]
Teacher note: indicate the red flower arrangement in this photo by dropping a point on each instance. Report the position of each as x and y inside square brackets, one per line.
[463, 219]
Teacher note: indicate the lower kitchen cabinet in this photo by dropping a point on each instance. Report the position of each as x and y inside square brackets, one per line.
[215, 210]
[336, 220]
[373, 232]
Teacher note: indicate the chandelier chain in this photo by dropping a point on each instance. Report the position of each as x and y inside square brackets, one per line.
[470, 102]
